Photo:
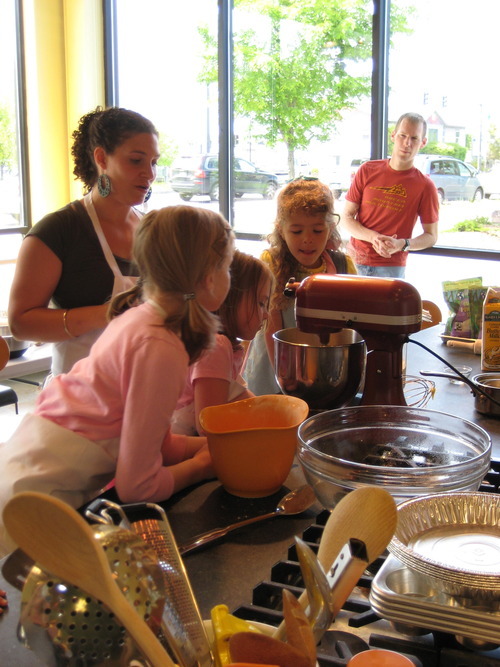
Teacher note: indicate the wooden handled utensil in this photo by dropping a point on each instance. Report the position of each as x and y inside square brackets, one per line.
[367, 514]
[473, 346]
[56, 536]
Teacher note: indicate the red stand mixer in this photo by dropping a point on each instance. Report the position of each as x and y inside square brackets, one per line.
[382, 310]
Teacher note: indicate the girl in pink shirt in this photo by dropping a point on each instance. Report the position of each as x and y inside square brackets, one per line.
[110, 416]
[215, 378]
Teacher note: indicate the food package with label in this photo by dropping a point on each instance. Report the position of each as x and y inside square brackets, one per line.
[464, 299]
[490, 348]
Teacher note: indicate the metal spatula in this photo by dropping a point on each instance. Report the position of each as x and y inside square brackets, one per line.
[182, 622]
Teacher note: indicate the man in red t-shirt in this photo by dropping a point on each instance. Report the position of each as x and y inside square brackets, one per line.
[384, 201]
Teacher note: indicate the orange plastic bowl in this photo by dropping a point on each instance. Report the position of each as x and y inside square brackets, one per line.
[253, 442]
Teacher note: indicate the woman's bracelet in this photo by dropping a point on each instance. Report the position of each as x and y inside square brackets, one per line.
[65, 324]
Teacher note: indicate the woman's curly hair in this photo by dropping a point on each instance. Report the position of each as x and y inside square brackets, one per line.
[311, 197]
[107, 128]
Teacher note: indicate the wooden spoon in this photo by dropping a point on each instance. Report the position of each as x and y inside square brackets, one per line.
[367, 514]
[56, 536]
[298, 631]
[256, 648]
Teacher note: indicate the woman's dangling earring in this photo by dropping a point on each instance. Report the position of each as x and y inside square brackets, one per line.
[148, 195]
[104, 185]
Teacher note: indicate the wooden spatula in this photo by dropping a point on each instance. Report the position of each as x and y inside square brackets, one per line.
[54, 534]
[367, 514]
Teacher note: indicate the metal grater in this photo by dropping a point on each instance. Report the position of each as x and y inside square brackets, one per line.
[182, 625]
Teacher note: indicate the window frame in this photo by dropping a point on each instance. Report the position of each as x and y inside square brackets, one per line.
[22, 128]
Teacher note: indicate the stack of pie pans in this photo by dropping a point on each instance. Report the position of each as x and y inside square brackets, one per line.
[454, 539]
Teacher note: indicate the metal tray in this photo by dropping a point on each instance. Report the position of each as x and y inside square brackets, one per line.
[406, 597]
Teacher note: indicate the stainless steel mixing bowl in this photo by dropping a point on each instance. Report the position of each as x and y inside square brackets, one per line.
[408, 451]
[324, 376]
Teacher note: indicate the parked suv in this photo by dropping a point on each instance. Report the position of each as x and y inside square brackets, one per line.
[199, 175]
[453, 178]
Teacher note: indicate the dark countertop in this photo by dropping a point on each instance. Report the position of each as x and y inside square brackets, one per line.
[227, 571]
[452, 398]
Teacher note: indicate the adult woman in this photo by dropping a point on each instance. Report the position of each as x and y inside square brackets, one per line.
[75, 259]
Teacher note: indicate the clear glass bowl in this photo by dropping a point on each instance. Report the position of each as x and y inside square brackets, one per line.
[408, 451]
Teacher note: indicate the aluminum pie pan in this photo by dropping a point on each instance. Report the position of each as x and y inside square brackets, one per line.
[453, 538]
[404, 596]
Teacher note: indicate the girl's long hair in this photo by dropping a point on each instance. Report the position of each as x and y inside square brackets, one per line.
[301, 195]
[175, 248]
[247, 274]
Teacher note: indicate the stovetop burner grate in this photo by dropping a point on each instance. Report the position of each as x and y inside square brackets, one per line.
[357, 626]
[491, 481]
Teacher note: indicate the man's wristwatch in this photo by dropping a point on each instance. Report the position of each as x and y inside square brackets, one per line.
[406, 246]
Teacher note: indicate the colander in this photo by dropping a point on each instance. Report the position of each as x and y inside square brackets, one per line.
[66, 627]
[182, 626]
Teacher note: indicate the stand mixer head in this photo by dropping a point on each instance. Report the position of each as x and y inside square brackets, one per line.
[382, 310]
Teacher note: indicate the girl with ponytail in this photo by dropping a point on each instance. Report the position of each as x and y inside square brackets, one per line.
[110, 416]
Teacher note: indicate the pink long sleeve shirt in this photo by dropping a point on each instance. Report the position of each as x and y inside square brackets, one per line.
[127, 388]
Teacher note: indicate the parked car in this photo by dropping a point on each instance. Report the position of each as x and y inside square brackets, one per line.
[199, 175]
[340, 180]
[454, 179]
[490, 180]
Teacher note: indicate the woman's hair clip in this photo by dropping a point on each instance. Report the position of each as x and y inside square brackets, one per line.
[188, 296]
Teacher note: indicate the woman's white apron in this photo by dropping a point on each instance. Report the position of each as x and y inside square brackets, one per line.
[42, 456]
[67, 352]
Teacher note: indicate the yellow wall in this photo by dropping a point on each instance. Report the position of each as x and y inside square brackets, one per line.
[64, 79]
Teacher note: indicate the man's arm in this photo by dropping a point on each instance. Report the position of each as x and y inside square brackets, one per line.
[425, 240]
[352, 225]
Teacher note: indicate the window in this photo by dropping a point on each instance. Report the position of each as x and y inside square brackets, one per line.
[462, 109]
[12, 183]
[161, 77]
[462, 106]
[301, 98]
[464, 171]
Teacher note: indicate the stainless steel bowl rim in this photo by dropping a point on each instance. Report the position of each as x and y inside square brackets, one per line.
[484, 379]
[358, 340]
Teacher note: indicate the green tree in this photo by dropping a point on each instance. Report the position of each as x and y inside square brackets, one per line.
[294, 76]
[494, 145]
[8, 152]
[441, 148]
[169, 149]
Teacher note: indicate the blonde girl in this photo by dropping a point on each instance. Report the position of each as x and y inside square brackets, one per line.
[305, 241]
[215, 378]
[110, 416]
